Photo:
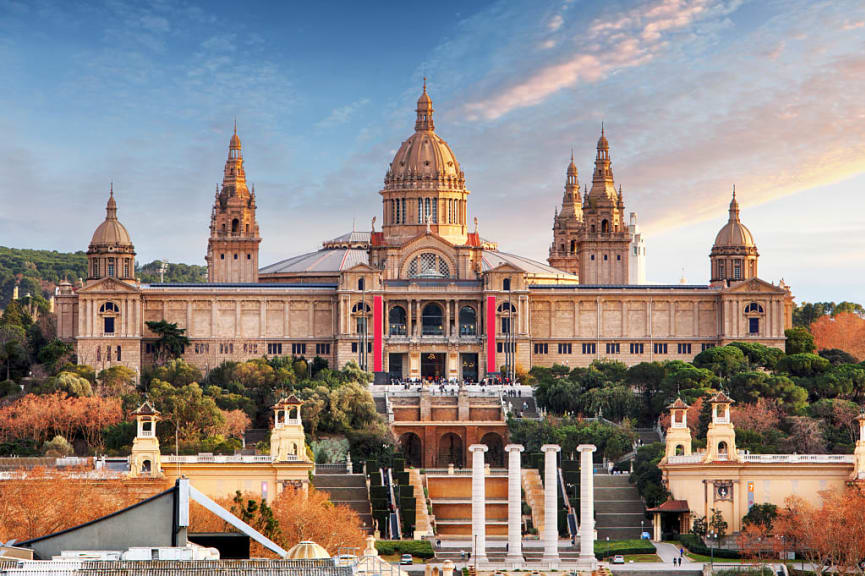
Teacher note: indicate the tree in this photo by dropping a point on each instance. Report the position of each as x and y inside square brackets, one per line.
[236, 423]
[802, 364]
[189, 413]
[758, 355]
[723, 361]
[761, 515]
[177, 372]
[806, 436]
[799, 341]
[116, 381]
[837, 357]
[761, 416]
[845, 331]
[12, 338]
[647, 476]
[54, 354]
[171, 340]
[73, 384]
[717, 523]
[58, 447]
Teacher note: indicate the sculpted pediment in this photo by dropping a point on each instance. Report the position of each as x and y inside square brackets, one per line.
[427, 240]
[112, 285]
[753, 285]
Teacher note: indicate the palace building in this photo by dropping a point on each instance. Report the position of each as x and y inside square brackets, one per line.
[426, 295]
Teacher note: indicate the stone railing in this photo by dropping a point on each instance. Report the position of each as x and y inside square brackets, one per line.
[689, 459]
[334, 468]
[223, 459]
[798, 458]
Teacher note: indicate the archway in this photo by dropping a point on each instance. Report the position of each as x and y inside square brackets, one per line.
[432, 365]
[450, 450]
[495, 456]
[468, 321]
[396, 319]
[412, 449]
[723, 452]
[680, 450]
[432, 320]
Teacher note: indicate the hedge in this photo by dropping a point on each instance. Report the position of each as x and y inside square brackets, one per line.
[623, 547]
[417, 548]
[696, 546]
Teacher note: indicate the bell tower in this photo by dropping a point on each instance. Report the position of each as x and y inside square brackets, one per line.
[232, 251]
[721, 437]
[678, 435]
[287, 441]
[144, 460]
[567, 225]
[603, 245]
[859, 451]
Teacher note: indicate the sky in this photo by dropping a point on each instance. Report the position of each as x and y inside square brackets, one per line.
[695, 95]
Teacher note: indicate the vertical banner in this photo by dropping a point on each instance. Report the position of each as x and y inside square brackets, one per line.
[751, 495]
[377, 331]
[491, 334]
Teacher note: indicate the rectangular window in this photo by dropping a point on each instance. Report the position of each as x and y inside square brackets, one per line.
[737, 269]
[274, 348]
[613, 348]
[753, 325]
[109, 325]
[298, 349]
[683, 348]
[322, 349]
[589, 348]
[660, 348]
[403, 211]
[705, 346]
[541, 348]
[126, 268]
[500, 347]
[96, 268]
[721, 269]
[506, 325]
[636, 348]
[435, 211]
[111, 266]
[148, 348]
[354, 347]
[420, 211]
[118, 354]
[564, 349]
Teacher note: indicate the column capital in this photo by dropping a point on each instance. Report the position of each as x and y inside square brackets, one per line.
[478, 448]
[552, 448]
[514, 448]
[586, 448]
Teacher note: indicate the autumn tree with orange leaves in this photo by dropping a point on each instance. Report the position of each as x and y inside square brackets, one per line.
[300, 515]
[845, 331]
[38, 502]
[830, 535]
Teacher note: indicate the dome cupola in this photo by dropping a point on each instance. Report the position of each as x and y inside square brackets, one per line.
[734, 253]
[111, 252]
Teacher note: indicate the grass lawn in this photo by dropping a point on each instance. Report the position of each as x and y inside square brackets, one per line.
[394, 558]
[641, 558]
[701, 558]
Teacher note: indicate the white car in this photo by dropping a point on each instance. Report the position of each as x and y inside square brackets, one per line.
[618, 559]
[406, 559]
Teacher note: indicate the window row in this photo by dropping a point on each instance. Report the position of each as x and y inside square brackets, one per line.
[248, 256]
[432, 323]
[427, 210]
[618, 257]
[112, 266]
[613, 348]
[355, 347]
[118, 354]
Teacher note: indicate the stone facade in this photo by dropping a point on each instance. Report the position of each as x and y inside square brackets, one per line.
[424, 297]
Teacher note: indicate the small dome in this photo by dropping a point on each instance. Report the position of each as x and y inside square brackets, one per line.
[734, 234]
[307, 550]
[235, 141]
[111, 233]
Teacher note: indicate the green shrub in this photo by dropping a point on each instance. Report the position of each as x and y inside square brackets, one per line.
[8, 387]
[695, 545]
[417, 548]
[606, 549]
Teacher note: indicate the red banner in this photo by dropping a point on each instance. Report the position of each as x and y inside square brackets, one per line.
[491, 334]
[378, 330]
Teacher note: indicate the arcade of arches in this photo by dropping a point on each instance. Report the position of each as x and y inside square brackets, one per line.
[450, 447]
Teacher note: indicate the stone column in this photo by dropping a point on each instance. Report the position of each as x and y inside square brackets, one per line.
[587, 504]
[478, 503]
[515, 539]
[551, 512]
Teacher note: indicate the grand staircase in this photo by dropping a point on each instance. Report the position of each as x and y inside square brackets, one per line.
[618, 508]
[347, 489]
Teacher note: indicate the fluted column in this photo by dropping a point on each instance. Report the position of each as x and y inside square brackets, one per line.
[587, 504]
[551, 512]
[515, 537]
[478, 502]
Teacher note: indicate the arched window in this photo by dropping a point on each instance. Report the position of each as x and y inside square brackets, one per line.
[235, 224]
[753, 307]
[753, 311]
[428, 265]
[680, 450]
[723, 452]
[396, 320]
[109, 307]
[605, 227]
[504, 306]
[468, 321]
[432, 320]
[507, 312]
[361, 312]
[506, 284]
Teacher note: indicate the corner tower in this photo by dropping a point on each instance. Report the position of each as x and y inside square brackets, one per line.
[603, 244]
[734, 253]
[232, 250]
[424, 185]
[567, 225]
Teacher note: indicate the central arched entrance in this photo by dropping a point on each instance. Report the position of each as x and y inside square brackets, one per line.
[495, 455]
[412, 450]
[432, 365]
[450, 450]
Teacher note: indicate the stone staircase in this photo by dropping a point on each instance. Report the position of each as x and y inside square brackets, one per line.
[423, 522]
[647, 435]
[618, 508]
[534, 496]
[347, 489]
[531, 409]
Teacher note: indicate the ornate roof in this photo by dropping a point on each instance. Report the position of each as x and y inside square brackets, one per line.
[679, 404]
[424, 156]
[671, 506]
[734, 234]
[721, 398]
[111, 234]
[146, 409]
[306, 550]
[324, 261]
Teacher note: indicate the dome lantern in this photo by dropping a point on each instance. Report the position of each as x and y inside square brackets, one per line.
[734, 253]
[111, 252]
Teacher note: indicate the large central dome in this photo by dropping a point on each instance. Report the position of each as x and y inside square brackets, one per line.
[424, 156]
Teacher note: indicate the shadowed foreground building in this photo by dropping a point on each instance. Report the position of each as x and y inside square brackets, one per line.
[425, 296]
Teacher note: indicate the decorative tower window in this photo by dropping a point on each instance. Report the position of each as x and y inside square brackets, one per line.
[111, 267]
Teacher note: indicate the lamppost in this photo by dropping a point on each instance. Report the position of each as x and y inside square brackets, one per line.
[711, 535]
[641, 529]
[608, 547]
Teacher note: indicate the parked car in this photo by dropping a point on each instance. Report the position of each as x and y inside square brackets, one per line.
[406, 559]
[618, 559]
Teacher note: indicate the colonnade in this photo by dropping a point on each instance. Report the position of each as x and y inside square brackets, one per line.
[550, 534]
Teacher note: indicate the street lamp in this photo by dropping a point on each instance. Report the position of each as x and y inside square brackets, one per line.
[711, 535]
[608, 547]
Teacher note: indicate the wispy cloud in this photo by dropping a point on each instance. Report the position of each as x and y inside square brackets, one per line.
[342, 114]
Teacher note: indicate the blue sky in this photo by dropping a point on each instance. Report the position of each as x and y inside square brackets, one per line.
[696, 96]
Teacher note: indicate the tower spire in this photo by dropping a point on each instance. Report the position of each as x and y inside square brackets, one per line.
[424, 111]
[734, 206]
[111, 207]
